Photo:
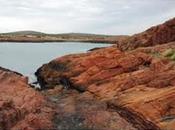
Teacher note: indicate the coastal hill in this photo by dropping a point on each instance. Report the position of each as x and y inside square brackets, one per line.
[23, 33]
[128, 86]
[33, 36]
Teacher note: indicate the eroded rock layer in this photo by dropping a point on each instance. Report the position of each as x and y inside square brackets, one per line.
[137, 88]
[160, 34]
[21, 107]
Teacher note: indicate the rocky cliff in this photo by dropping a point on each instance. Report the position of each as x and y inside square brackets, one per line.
[160, 34]
[114, 89]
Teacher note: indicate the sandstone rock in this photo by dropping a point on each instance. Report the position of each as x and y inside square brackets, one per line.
[108, 88]
[103, 89]
[21, 107]
[160, 34]
[75, 111]
[136, 87]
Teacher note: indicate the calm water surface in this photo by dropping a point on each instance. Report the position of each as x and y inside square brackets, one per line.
[26, 58]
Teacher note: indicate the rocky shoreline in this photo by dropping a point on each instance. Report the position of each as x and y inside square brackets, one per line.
[129, 86]
[137, 85]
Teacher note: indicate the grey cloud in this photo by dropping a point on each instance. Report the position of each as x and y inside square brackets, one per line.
[91, 16]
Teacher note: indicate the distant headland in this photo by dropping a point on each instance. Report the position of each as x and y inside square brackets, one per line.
[34, 36]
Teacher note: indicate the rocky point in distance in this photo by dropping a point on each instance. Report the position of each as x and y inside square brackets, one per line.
[129, 86]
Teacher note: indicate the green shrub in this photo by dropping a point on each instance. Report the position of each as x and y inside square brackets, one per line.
[168, 53]
[173, 57]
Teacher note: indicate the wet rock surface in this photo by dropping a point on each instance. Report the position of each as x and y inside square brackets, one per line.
[21, 107]
[75, 111]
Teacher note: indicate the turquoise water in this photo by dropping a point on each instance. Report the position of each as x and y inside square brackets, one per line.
[26, 58]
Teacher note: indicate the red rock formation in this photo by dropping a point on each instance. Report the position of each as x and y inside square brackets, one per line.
[21, 107]
[81, 111]
[160, 34]
[138, 86]
[131, 90]
[103, 89]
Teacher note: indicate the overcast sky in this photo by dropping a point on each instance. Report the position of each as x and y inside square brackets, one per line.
[87, 16]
